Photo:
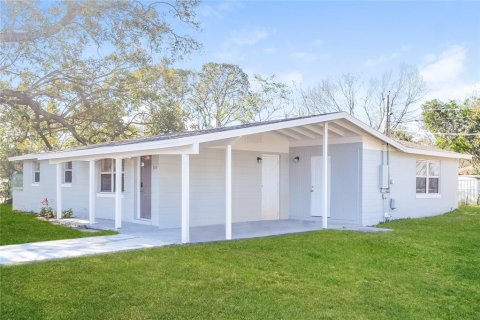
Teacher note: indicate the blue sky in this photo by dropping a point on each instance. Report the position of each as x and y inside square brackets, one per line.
[307, 41]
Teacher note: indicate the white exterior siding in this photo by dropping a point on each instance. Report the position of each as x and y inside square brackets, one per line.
[74, 195]
[403, 190]
[403, 172]
[168, 208]
[207, 188]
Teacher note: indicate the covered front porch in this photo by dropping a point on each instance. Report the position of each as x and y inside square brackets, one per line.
[250, 183]
[240, 230]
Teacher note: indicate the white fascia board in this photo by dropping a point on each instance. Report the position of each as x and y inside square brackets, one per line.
[30, 156]
[443, 154]
[188, 149]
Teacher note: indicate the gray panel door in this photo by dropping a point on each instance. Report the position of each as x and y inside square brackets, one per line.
[146, 187]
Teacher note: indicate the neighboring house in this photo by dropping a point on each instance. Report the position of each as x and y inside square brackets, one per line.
[469, 189]
[261, 171]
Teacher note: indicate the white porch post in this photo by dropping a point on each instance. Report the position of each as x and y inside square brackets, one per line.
[325, 176]
[118, 193]
[228, 192]
[59, 190]
[91, 191]
[185, 198]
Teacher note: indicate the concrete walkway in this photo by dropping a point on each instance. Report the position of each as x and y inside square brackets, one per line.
[59, 249]
[139, 236]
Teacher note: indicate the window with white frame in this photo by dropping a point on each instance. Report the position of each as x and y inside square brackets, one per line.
[36, 171]
[428, 177]
[67, 172]
[107, 175]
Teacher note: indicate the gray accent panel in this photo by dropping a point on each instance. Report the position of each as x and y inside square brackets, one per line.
[345, 202]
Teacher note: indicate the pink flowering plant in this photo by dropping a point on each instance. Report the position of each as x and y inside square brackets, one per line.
[46, 211]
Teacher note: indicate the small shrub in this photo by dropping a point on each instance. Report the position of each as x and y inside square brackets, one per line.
[67, 213]
[47, 212]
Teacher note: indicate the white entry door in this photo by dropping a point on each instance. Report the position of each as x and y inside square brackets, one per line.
[270, 187]
[316, 208]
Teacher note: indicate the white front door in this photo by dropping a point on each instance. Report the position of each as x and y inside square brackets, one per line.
[270, 187]
[316, 208]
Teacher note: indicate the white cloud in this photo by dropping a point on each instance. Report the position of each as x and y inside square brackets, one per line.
[317, 43]
[234, 48]
[430, 57]
[447, 67]
[446, 75]
[248, 37]
[295, 77]
[270, 50]
[230, 55]
[218, 10]
[453, 91]
[304, 56]
[373, 62]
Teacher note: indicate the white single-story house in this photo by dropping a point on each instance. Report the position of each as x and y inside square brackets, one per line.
[332, 168]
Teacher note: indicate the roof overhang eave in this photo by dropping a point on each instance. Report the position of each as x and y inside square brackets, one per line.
[195, 140]
[442, 154]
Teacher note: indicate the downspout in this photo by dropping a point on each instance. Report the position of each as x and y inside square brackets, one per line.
[388, 214]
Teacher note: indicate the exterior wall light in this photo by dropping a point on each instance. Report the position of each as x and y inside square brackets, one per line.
[259, 160]
[296, 159]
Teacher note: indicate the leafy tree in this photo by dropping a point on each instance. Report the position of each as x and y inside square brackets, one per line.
[218, 95]
[268, 98]
[67, 68]
[160, 97]
[66, 65]
[223, 94]
[455, 126]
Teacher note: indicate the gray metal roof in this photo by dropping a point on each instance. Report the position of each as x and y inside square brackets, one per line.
[418, 146]
[189, 133]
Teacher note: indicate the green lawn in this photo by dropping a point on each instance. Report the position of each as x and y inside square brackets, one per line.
[17, 227]
[425, 269]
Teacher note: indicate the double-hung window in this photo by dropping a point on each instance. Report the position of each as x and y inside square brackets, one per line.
[428, 177]
[36, 172]
[107, 175]
[67, 172]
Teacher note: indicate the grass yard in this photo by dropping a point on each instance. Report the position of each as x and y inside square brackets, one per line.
[17, 227]
[426, 269]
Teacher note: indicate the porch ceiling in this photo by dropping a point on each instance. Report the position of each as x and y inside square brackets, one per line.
[315, 131]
